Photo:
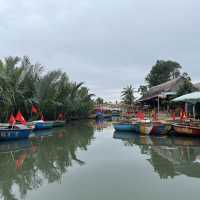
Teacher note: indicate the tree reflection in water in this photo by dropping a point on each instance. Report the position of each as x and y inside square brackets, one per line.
[27, 164]
[169, 156]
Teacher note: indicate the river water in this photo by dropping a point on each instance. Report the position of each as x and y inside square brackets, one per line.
[88, 161]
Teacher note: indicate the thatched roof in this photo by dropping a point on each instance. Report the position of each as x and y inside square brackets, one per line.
[169, 87]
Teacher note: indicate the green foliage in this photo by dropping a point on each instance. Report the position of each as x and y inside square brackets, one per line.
[187, 86]
[128, 96]
[23, 84]
[163, 71]
[143, 89]
[99, 101]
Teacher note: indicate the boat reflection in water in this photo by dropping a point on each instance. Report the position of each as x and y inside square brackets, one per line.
[101, 124]
[27, 164]
[169, 156]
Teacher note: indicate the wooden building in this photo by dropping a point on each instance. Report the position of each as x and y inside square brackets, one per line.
[163, 92]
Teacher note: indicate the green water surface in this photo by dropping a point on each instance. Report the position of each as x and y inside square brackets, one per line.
[88, 161]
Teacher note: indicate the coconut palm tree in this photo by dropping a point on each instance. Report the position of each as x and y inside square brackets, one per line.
[127, 95]
[23, 84]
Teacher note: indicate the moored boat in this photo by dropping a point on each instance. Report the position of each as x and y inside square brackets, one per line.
[186, 129]
[123, 126]
[58, 123]
[3, 125]
[143, 127]
[146, 127]
[160, 128]
[42, 125]
[14, 132]
[115, 113]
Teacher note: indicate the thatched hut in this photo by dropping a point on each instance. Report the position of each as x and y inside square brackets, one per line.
[158, 97]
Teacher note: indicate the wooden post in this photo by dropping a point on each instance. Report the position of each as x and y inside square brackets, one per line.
[158, 105]
[186, 108]
[194, 111]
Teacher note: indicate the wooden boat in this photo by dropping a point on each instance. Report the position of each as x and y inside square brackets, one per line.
[123, 126]
[143, 127]
[15, 132]
[115, 113]
[4, 125]
[158, 128]
[42, 125]
[59, 123]
[186, 129]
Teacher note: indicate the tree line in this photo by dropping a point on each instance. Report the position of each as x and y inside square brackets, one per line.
[24, 84]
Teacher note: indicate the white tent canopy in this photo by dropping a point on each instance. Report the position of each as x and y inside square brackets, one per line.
[193, 97]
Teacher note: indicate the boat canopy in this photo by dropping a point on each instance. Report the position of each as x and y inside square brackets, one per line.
[193, 97]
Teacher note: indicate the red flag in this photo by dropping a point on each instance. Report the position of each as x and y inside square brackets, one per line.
[184, 115]
[33, 109]
[61, 116]
[19, 117]
[42, 116]
[174, 116]
[181, 115]
[140, 115]
[12, 120]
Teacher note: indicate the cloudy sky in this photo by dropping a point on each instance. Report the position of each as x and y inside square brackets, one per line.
[108, 44]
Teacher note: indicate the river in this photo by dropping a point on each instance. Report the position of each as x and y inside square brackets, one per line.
[88, 161]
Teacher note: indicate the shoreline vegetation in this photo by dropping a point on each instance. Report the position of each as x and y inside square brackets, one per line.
[24, 84]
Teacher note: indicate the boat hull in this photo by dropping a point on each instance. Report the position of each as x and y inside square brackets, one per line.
[160, 128]
[143, 128]
[186, 130]
[154, 128]
[58, 123]
[123, 127]
[13, 134]
[43, 125]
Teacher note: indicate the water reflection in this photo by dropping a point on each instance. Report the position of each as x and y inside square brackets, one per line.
[26, 165]
[169, 156]
[101, 124]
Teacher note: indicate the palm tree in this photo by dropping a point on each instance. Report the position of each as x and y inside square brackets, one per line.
[22, 84]
[127, 95]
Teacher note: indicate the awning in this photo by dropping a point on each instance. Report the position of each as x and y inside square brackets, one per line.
[193, 97]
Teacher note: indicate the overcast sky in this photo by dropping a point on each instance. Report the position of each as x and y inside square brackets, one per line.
[108, 44]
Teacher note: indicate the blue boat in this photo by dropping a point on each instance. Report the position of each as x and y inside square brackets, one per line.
[59, 123]
[99, 115]
[15, 132]
[42, 125]
[123, 126]
[115, 113]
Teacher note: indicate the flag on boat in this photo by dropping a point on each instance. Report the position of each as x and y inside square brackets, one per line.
[12, 120]
[173, 116]
[183, 115]
[34, 109]
[140, 115]
[61, 116]
[41, 116]
[19, 117]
